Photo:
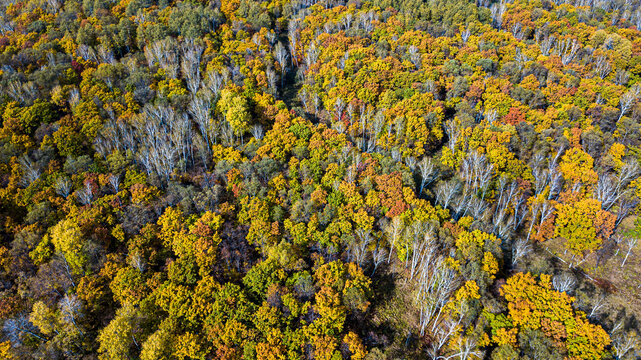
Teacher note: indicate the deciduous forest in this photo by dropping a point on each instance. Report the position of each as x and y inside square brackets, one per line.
[320, 179]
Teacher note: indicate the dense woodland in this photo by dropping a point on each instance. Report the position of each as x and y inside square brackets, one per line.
[320, 179]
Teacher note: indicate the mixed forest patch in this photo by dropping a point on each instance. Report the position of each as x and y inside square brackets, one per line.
[363, 179]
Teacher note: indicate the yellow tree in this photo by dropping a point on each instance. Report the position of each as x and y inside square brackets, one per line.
[584, 225]
[534, 305]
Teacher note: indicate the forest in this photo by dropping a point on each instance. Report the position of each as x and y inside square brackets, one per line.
[320, 179]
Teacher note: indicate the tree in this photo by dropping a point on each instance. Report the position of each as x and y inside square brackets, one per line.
[44, 318]
[39, 112]
[631, 239]
[158, 345]
[238, 116]
[520, 249]
[583, 225]
[190, 66]
[624, 343]
[281, 55]
[428, 173]
[236, 111]
[628, 99]
[437, 282]
[200, 108]
[534, 305]
[577, 166]
[394, 230]
[118, 339]
[68, 241]
[68, 138]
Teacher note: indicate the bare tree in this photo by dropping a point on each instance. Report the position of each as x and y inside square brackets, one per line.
[624, 343]
[460, 205]
[393, 230]
[257, 132]
[545, 210]
[436, 283]
[138, 262]
[621, 77]
[317, 102]
[114, 181]
[540, 179]
[446, 191]
[453, 132]
[597, 306]
[628, 99]
[628, 172]
[16, 327]
[378, 257]
[465, 34]
[74, 97]
[605, 191]
[106, 56]
[546, 44]
[292, 35]
[366, 19]
[428, 172]
[506, 192]
[70, 309]
[375, 129]
[421, 246]
[467, 348]
[519, 210]
[476, 172]
[281, 54]
[626, 205]
[415, 56]
[491, 115]
[476, 207]
[564, 282]
[446, 329]
[497, 10]
[630, 244]
[214, 81]
[200, 110]
[190, 66]
[87, 53]
[165, 54]
[358, 247]
[271, 80]
[85, 195]
[520, 249]
[53, 6]
[346, 21]
[517, 30]
[30, 171]
[158, 130]
[311, 56]
[611, 188]
[181, 137]
[567, 50]
[63, 186]
[556, 183]
[410, 161]
[339, 106]
[271, 37]
[364, 119]
[602, 66]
